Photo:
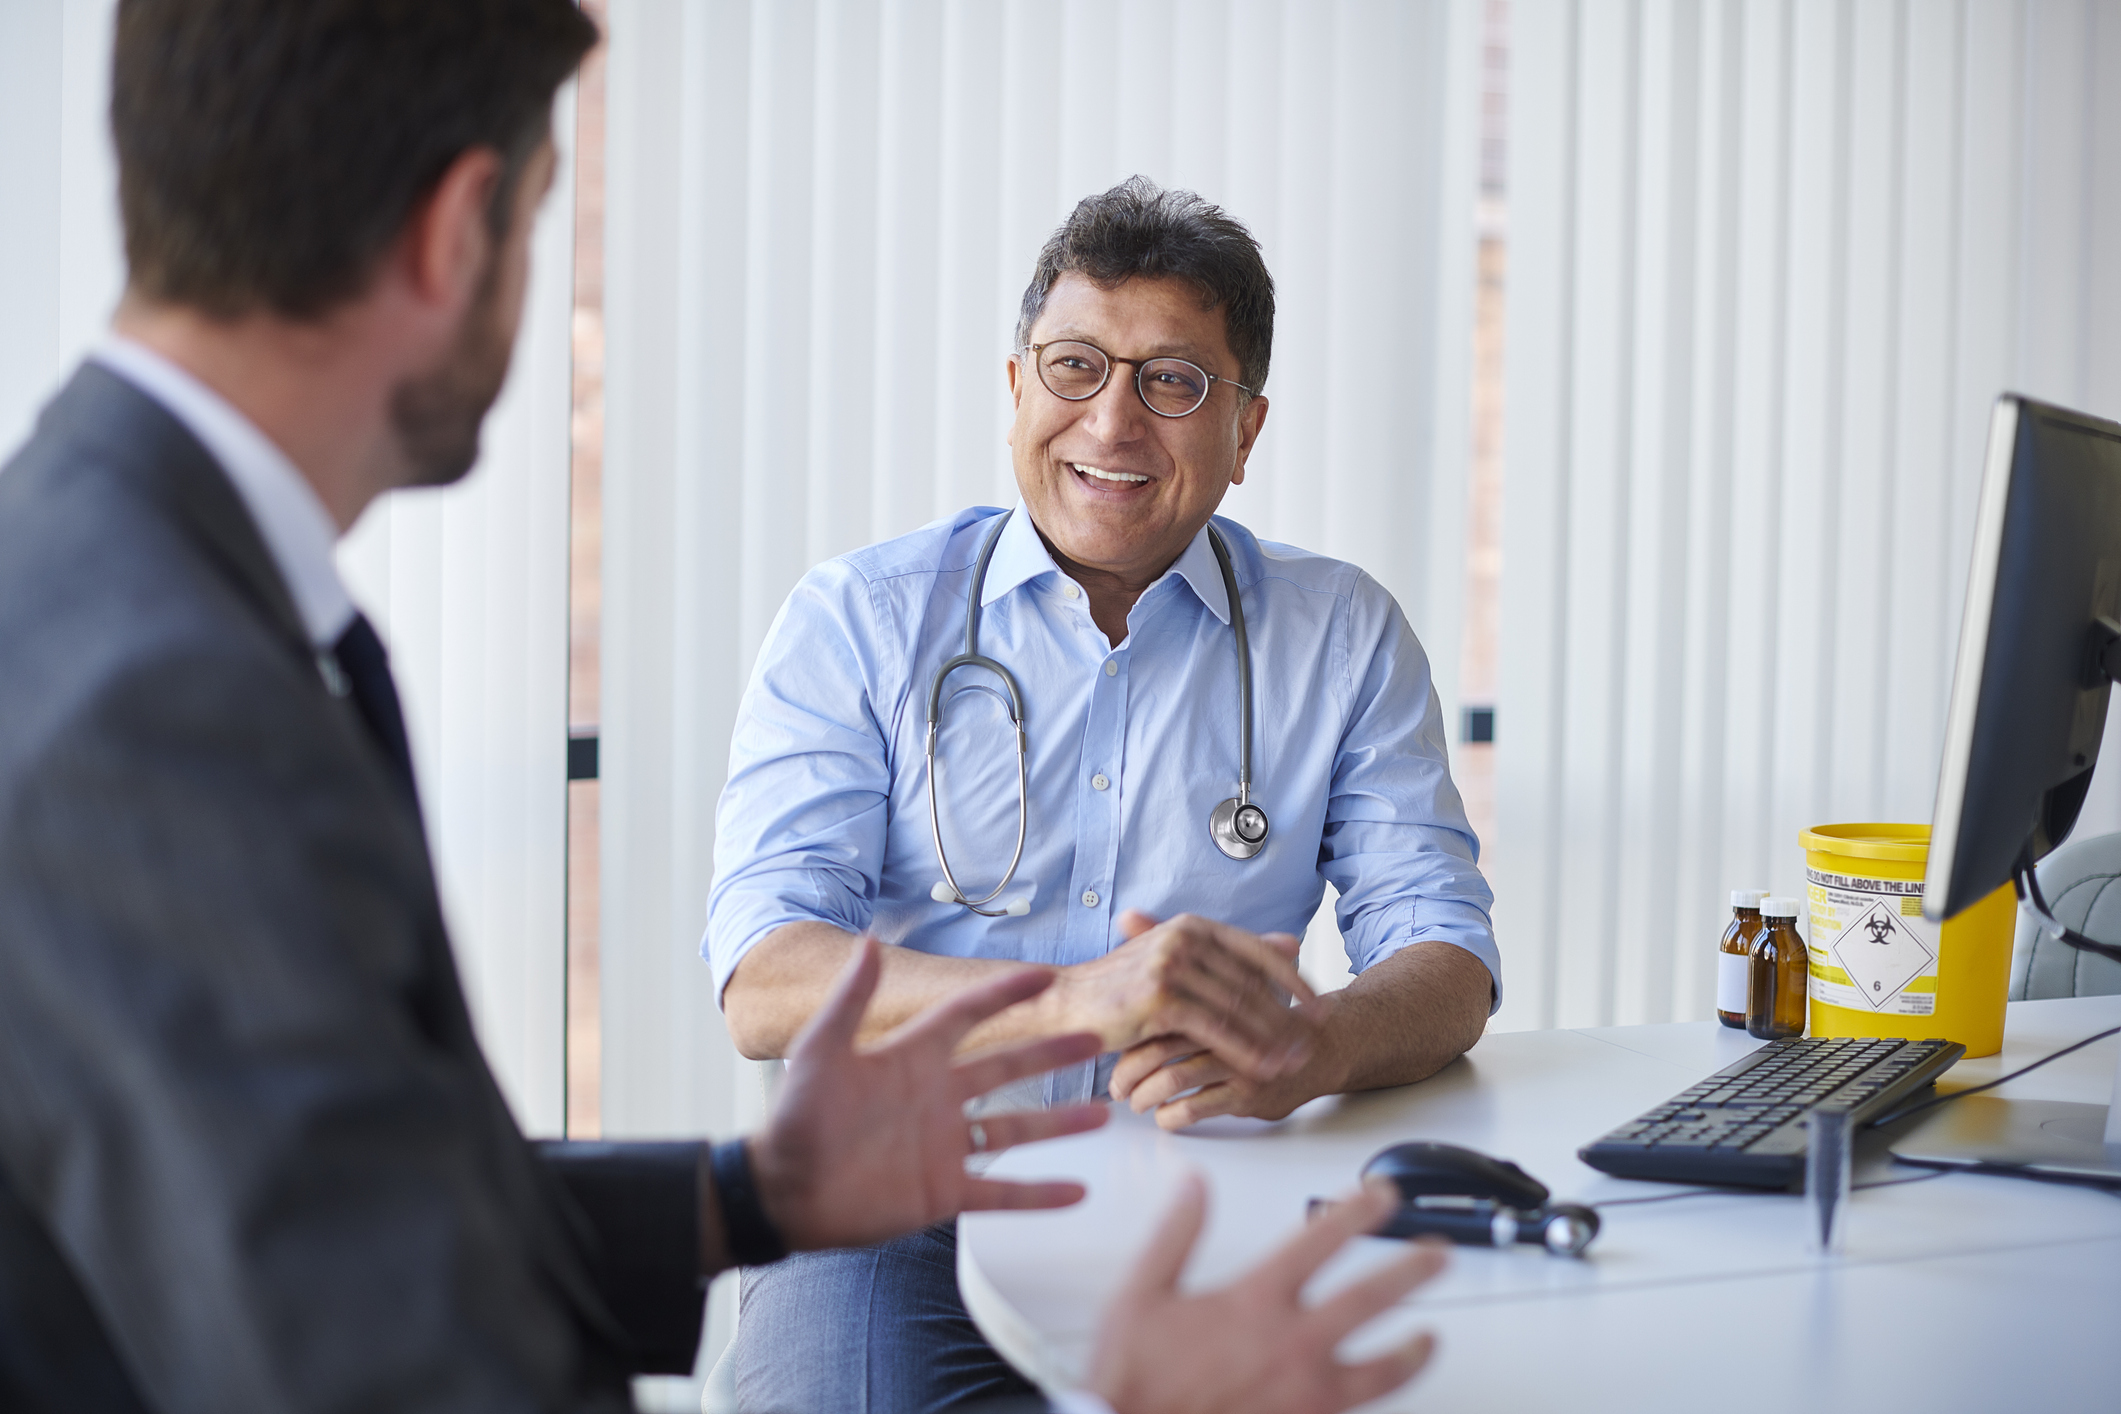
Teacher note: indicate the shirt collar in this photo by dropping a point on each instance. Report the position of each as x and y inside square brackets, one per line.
[291, 519]
[1021, 556]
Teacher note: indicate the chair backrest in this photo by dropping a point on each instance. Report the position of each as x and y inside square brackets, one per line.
[2082, 882]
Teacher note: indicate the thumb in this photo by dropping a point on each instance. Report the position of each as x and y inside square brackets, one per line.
[1133, 923]
[1164, 1259]
[832, 1030]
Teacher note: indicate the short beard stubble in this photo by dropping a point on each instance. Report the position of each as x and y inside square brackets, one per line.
[437, 415]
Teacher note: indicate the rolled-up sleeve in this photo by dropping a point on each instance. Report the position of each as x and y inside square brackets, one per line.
[1397, 845]
[800, 833]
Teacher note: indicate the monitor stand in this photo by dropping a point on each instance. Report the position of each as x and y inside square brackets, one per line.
[2051, 1139]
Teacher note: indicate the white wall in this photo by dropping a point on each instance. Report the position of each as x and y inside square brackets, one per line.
[468, 585]
[822, 215]
[1770, 264]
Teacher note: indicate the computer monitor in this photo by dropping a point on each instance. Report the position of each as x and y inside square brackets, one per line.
[2039, 651]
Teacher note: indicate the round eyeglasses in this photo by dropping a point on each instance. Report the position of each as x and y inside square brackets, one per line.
[1169, 387]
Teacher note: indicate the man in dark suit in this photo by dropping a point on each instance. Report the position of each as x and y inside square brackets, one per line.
[250, 1155]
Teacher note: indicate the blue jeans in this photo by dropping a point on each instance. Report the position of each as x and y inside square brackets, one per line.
[874, 1330]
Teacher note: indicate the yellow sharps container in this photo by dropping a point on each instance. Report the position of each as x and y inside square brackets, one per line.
[1878, 967]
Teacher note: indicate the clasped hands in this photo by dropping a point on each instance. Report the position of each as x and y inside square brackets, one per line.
[867, 1142]
[1201, 1012]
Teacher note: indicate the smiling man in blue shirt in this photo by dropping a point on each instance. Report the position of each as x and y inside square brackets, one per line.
[1143, 348]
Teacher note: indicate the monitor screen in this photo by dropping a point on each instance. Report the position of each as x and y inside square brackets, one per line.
[2029, 691]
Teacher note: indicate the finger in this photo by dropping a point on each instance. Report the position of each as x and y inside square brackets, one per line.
[1262, 1039]
[1191, 1073]
[1133, 923]
[1254, 949]
[1237, 982]
[946, 1022]
[1292, 1264]
[1287, 944]
[1381, 1289]
[1006, 1131]
[986, 1195]
[984, 1070]
[832, 1029]
[1138, 1062]
[1258, 966]
[1161, 1262]
[1228, 1098]
[1373, 1379]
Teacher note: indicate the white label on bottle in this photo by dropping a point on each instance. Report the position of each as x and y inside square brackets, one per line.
[1872, 950]
[1732, 971]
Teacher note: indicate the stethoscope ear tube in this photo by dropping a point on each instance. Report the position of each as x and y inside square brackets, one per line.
[957, 892]
[1238, 826]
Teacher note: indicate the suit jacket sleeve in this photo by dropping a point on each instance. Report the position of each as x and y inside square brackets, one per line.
[275, 1160]
[641, 1206]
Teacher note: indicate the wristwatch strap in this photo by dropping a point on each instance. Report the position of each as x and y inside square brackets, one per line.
[753, 1240]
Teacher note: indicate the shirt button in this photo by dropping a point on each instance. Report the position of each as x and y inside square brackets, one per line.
[1072, 591]
[1098, 781]
[1111, 667]
[1089, 898]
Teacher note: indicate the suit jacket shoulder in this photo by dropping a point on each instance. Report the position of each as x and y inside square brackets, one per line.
[238, 1081]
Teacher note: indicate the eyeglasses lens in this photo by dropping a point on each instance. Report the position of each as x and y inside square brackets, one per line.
[1071, 370]
[1170, 386]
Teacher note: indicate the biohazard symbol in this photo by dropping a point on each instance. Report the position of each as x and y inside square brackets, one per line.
[1889, 956]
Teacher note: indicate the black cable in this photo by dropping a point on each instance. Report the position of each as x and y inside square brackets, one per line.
[1917, 1108]
[1755, 1192]
[2028, 881]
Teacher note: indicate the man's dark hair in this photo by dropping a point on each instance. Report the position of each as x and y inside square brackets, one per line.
[270, 151]
[1139, 230]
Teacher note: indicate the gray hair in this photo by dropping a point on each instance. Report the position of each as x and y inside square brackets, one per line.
[1139, 230]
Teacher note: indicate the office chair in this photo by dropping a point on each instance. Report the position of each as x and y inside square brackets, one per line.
[2082, 882]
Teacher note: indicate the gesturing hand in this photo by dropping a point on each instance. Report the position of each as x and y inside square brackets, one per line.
[871, 1143]
[1225, 988]
[1252, 1347]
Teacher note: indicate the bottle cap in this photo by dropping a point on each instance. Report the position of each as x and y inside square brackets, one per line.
[1778, 907]
[1747, 898]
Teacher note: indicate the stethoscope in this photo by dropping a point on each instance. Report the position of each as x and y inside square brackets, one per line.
[1238, 826]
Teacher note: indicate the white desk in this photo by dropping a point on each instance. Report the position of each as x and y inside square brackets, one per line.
[1962, 1292]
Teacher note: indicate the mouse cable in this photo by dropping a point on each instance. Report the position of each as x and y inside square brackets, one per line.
[1755, 1192]
[1904, 1111]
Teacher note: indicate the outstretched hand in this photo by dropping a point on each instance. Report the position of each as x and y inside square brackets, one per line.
[869, 1143]
[1253, 1347]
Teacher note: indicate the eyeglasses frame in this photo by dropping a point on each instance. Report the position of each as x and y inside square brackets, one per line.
[1138, 364]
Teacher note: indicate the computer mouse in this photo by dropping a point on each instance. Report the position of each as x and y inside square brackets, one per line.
[1423, 1169]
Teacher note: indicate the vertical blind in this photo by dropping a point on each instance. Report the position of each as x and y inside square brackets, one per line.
[822, 214]
[1770, 265]
[468, 585]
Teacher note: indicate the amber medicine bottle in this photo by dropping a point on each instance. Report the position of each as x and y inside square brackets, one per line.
[1780, 985]
[1734, 957]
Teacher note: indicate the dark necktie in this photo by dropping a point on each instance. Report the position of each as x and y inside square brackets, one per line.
[366, 664]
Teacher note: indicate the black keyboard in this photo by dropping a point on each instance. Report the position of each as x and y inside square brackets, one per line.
[1745, 1124]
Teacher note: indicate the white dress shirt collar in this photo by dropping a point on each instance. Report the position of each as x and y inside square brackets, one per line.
[291, 519]
[1022, 556]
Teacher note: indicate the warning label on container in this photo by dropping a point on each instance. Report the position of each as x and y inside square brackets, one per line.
[1871, 949]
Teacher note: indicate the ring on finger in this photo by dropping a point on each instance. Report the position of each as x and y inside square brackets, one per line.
[978, 1132]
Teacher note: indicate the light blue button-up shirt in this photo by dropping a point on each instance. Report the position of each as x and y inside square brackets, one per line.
[825, 817]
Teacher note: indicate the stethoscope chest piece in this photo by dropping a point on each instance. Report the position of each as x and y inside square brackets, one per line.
[1239, 828]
